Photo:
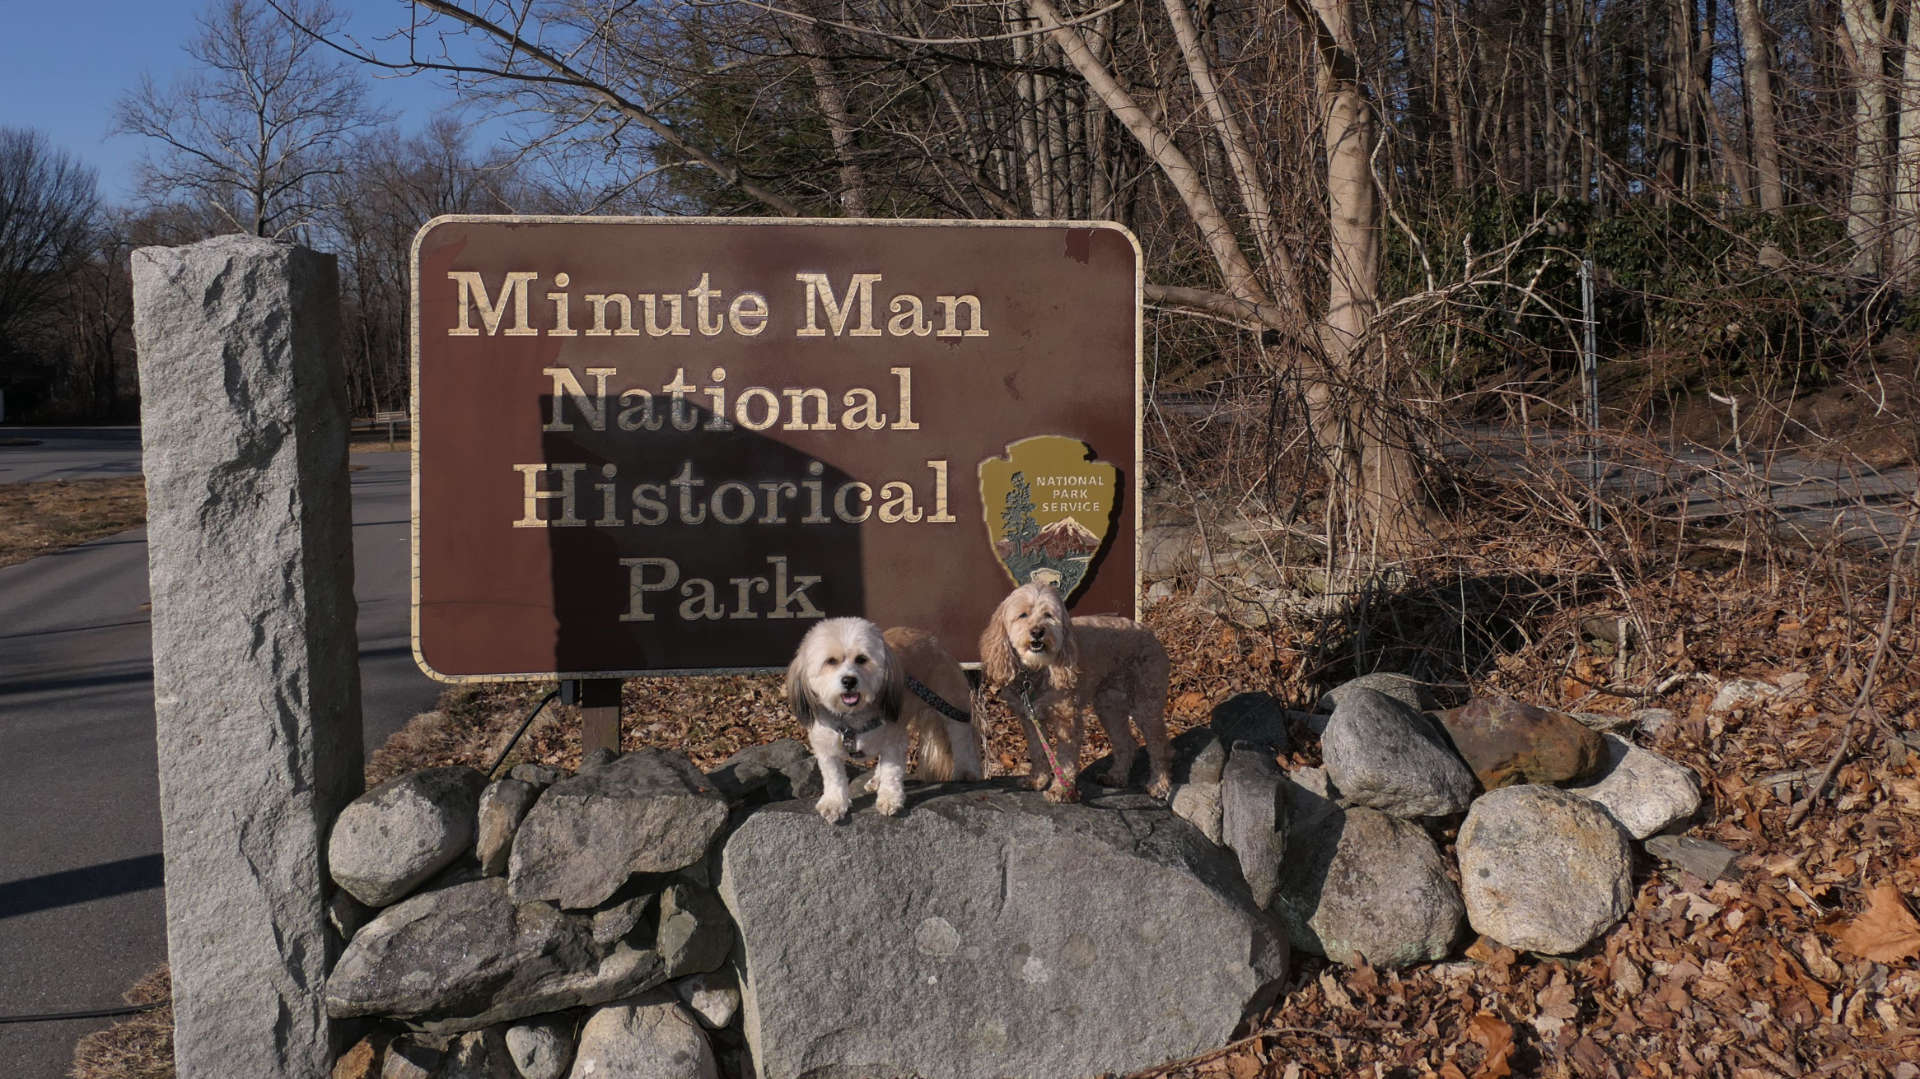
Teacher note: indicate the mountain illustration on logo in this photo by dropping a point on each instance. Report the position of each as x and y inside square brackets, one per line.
[1050, 506]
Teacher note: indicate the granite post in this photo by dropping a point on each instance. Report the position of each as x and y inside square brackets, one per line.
[255, 659]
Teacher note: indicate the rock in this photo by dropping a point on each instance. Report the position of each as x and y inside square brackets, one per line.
[391, 839]
[1310, 797]
[773, 772]
[1199, 805]
[1357, 881]
[1652, 722]
[542, 1049]
[411, 1056]
[695, 932]
[650, 811]
[1703, 858]
[478, 1054]
[1645, 792]
[595, 759]
[1384, 755]
[1742, 693]
[1253, 818]
[1168, 551]
[468, 957]
[713, 997]
[1159, 592]
[360, 1062]
[1507, 742]
[347, 914]
[1007, 934]
[540, 776]
[502, 806]
[1197, 757]
[1403, 688]
[1255, 718]
[256, 678]
[613, 923]
[1512, 837]
[652, 1037]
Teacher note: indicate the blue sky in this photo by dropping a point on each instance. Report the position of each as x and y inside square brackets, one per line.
[62, 67]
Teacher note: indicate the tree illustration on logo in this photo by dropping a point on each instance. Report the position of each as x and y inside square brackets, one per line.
[1018, 529]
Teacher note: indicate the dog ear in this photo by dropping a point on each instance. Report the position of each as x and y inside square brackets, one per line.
[1067, 655]
[799, 700]
[893, 694]
[997, 660]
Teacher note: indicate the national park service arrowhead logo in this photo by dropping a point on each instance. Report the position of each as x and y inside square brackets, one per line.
[1049, 506]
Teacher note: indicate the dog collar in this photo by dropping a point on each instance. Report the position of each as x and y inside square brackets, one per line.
[936, 701]
[850, 736]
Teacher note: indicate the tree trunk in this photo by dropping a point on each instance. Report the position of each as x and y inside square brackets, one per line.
[833, 108]
[1906, 240]
[1867, 196]
[1370, 460]
[1758, 70]
[1246, 177]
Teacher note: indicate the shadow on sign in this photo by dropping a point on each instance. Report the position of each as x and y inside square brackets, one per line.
[699, 543]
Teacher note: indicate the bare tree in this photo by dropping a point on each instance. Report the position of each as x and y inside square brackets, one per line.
[48, 208]
[253, 134]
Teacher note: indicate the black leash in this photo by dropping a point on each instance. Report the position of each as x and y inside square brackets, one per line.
[936, 701]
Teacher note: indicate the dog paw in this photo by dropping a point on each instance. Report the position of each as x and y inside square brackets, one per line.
[890, 802]
[1061, 793]
[1038, 781]
[1112, 777]
[1161, 788]
[833, 809]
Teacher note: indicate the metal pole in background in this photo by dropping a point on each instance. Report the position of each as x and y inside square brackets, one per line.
[1590, 387]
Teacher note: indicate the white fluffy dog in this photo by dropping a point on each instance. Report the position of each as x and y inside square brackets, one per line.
[860, 691]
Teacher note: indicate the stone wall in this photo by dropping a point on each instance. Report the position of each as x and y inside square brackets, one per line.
[641, 918]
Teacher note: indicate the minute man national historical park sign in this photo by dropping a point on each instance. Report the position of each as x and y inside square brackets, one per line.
[647, 445]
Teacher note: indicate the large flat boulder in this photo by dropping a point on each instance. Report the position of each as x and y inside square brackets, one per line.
[650, 811]
[989, 933]
[466, 957]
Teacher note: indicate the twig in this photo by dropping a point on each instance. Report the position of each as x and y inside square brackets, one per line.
[1215, 1054]
[1884, 634]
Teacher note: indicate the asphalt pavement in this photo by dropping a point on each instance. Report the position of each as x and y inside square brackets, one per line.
[82, 914]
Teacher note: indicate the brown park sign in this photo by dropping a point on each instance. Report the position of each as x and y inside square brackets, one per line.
[661, 445]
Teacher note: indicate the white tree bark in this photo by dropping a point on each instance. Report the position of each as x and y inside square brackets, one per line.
[1906, 188]
[1863, 45]
[1235, 270]
[1246, 177]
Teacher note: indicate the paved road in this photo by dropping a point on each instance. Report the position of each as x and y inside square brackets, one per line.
[81, 912]
[34, 454]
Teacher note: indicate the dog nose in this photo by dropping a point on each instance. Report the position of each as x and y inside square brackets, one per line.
[1037, 633]
[848, 681]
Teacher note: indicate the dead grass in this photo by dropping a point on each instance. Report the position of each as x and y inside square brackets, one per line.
[40, 518]
[139, 1048]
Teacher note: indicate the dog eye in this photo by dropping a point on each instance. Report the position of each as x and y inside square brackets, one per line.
[831, 661]
[860, 660]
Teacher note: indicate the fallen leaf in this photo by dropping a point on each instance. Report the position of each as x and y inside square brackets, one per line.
[1496, 1037]
[1885, 932]
[1243, 1066]
[1336, 995]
